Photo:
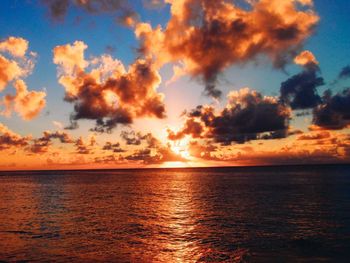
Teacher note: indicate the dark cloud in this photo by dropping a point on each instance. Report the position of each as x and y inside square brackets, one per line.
[73, 125]
[132, 138]
[108, 94]
[313, 147]
[81, 147]
[114, 147]
[210, 36]
[143, 155]
[42, 144]
[158, 155]
[154, 152]
[344, 73]
[334, 112]
[110, 159]
[247, 116]
[137, 138]
[59, 8]
[9, 139]
[300, 91]
[287, 157]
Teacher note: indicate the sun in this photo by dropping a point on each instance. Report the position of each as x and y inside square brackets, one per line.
[181, 148]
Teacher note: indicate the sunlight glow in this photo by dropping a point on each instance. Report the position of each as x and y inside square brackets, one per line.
[174, 165]
[181, 148]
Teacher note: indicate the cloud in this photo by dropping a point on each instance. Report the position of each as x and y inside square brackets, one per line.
[344, 73]
[131, 137]
[70, 57]
[300, 90]
[306, 58]
[81, 147]
[63, 137]
[14, 141]
[114, 147]
[14, 61]
[16, 46]
[10, 139]
[85, 147]
[334, 111]
[313, 148]
[136, 138]
[110, 159]
[152, 150]
[108, 93]
[204, 152]
[191, 127]
[210, 36]
[28, 104]
[158, 155]
[287, 157]
[17, 63]
[59, 8]
[314, 136]
[9, 70]
[247, 116]
[42, 144]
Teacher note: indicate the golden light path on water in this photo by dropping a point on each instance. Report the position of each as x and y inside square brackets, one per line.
[181, 213]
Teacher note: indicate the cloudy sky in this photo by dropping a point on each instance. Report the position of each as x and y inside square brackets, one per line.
[173, 83]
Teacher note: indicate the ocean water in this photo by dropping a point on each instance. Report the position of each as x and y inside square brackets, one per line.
[271, 214]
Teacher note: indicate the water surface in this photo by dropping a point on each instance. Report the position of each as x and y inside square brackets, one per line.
[271, 214]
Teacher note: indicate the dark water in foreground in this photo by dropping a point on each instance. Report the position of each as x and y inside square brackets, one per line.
[268, 214]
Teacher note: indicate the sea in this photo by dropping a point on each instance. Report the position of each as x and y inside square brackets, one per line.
[238, 214]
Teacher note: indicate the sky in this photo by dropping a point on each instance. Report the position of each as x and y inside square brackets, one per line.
[173, 83]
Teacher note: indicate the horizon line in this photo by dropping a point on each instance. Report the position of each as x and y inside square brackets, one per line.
[177, 168]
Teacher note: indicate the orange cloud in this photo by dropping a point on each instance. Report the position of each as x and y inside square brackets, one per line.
[28, 104]
[108, 93]
[14, 63]
[204, 152]
[306, 57]
[312, 148]
[226, 35]
[9, 70]
[70, 57]
[314, 136]
[191, 127]
[16, 46]
[17, 65]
